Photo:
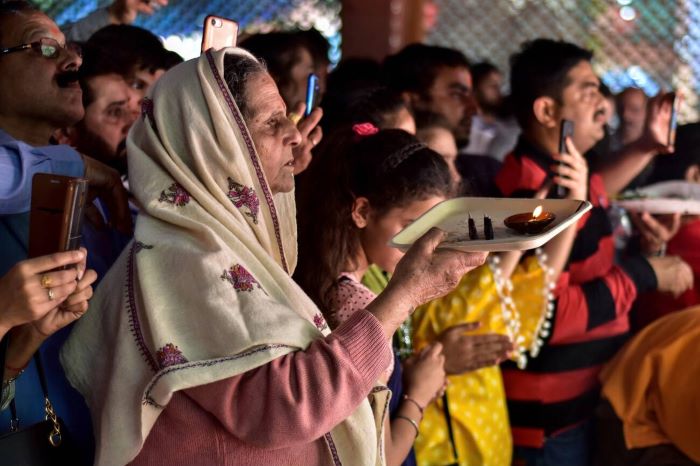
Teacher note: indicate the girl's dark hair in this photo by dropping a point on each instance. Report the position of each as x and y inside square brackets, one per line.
[237, 71]
[377, 105]
[391, 169]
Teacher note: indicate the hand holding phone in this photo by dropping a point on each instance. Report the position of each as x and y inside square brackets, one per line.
[566, 131]
[676, 100]
[219, 33]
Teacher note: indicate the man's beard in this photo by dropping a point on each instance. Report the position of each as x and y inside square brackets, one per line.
[92, 145]
[463, 131]
[490, 108]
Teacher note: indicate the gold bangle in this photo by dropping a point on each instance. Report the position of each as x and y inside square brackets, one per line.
[420, 408]
[413, 423]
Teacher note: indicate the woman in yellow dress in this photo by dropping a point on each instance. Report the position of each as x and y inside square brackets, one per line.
[518, 306]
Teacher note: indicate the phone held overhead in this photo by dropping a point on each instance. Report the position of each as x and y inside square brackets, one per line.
[219, 33]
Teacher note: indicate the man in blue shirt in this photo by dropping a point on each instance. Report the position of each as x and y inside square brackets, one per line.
[40, 93]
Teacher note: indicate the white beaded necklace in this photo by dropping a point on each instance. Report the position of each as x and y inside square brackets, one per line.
[511, 316]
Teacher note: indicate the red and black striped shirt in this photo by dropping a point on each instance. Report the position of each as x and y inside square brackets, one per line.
[559, 388]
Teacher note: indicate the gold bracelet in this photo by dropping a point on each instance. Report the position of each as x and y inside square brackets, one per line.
[413, 423]
[420, 408]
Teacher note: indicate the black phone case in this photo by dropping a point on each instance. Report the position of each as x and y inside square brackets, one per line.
[566, 131]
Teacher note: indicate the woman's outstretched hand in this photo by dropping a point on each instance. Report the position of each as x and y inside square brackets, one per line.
[423, 274]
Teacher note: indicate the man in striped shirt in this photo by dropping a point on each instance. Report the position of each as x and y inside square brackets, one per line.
[551, 402]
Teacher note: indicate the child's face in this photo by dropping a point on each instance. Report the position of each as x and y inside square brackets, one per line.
[376, 235]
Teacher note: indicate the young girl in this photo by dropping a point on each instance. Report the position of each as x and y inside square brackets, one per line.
[361, 189]
[503, 297]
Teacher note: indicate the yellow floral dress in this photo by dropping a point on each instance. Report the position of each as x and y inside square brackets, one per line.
[476, 399]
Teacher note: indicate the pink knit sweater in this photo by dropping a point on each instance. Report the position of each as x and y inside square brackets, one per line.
[276, 414]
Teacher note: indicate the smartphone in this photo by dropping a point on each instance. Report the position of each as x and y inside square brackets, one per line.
[56, 215]
[312, 91]
[566, 131]
[219, 33]
[673, 124]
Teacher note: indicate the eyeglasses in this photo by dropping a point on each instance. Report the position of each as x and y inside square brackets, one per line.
[46, 47]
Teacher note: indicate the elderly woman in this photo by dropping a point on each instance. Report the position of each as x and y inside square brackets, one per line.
[202, 350]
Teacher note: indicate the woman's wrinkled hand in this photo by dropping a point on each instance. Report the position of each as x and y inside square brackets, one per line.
[426, 272]
[311, 135]
[423, 274]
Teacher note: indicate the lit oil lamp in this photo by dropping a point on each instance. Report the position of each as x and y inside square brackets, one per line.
[530, 223]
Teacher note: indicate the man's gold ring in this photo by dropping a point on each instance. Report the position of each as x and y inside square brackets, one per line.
[46, 281]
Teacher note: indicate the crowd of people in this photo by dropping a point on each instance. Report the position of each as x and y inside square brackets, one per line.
[247, 306]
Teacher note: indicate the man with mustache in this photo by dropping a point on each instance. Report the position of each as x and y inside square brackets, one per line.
[550, 403]
[40, 93]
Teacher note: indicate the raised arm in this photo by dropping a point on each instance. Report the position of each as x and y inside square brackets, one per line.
[635, 156]
[299, 397]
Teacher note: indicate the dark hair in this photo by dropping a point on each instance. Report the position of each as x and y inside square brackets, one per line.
[316, 44]
[620, 97]
[540, 69]
[415, 68]
[120, 48]
[481, 70]
[391, 169]
[11, 8]
[425, 120]
[280, 51]
[687, 154]
[354, 74]
[237, 70]
[379, 106]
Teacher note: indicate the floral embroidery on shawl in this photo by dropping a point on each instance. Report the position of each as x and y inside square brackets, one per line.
[243, 196]
[170, 355]
[320, 322]
[139, 246]
[175, 195]
[240, 278]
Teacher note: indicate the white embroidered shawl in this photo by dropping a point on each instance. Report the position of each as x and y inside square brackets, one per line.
[204, 291]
